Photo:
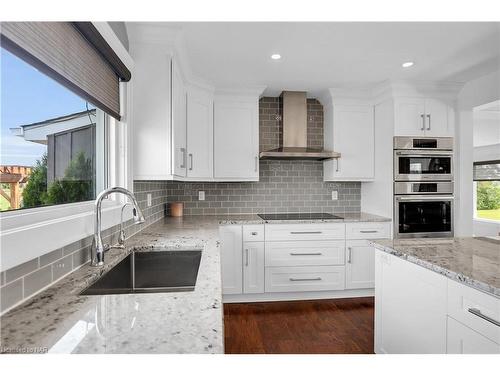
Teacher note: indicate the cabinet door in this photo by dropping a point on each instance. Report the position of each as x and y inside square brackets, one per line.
[199, 135]
[354, 138]
[236, 140]
[464, 340]
[409, 116]
[231, 259]
[360, 265]
[437, 123]
[253, 267]
[179, 152]
[410, 307]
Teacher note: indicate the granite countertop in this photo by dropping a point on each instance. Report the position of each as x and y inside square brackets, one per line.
[345, 218]
[59, 320]
[473, 261]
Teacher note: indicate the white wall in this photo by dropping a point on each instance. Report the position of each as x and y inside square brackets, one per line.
[477, 92]
[486, 128]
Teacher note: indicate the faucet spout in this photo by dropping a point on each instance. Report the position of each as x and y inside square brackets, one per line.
[98, 249]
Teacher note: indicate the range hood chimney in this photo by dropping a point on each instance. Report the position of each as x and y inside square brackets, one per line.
[294, 116]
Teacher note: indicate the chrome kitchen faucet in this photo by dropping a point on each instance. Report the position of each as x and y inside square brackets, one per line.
[98, 249]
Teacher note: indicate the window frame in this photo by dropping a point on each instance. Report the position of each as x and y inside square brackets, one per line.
[38, 230]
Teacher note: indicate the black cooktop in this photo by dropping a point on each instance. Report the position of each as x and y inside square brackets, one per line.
[299, 216]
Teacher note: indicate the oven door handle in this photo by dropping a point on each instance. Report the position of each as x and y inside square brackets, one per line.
[425, 153]
[425, 198]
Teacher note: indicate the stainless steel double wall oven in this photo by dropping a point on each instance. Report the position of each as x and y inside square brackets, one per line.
[423, 187]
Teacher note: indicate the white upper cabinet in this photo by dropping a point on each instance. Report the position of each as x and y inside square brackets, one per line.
[349, 129]
[179, 143]
[199, 134]
[236, 138]
[151, 113]
[423, 117]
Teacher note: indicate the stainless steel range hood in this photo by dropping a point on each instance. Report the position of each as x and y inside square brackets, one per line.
[294, 145]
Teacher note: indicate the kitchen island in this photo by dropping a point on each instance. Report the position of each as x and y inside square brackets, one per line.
[437, 295]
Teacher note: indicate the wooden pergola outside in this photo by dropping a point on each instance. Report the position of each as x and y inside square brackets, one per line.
[14, 175]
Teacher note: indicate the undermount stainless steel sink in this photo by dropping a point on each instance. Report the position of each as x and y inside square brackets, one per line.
[150, 272]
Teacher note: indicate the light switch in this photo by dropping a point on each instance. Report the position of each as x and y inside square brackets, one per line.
[335, 195]
[149, 199]
[201, 195]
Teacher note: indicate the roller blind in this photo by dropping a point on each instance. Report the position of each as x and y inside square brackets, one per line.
[74, 54]
[487, 170]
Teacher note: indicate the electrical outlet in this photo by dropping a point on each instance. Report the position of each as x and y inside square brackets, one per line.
[201, 195]
[149, 199]
[335, 195]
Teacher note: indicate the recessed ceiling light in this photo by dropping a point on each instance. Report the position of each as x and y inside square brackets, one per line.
[275, 56]
[407, 64]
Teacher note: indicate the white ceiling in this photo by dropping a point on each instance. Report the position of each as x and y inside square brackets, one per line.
[316, 56]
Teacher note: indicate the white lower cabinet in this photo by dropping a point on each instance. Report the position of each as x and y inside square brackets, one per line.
[410, 307]
[231, 258]
[304, 279]
[360, 265]
[464, 340]
[253, 267]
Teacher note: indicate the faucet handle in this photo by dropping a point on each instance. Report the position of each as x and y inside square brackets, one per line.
[106, 247]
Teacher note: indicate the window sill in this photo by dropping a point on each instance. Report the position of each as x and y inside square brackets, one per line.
[30, 233]
[491, 221]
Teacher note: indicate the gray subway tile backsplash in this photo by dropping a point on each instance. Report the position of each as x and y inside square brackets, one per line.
[37, 280]
[11, 294]
[21, 270]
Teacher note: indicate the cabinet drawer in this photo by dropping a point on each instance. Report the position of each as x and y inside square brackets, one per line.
[253, 233]
[475, 309]
[463, 340]
[365, 231]
[305, 253]
[304, 232]
[303, 279]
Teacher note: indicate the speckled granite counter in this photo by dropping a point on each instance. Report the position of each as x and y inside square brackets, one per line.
[345, 218]
[471, 261]
[59, 320]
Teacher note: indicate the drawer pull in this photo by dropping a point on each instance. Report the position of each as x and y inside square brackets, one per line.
[254, 233]
[478, 312]
[306, 253]
[369, 231]
[349, 255]
[306, 279]
[246, 257]
[314, 232]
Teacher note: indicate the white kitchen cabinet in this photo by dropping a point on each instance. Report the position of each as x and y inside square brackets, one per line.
[352, 134]
[410, 307]
[253, 267]
[199, 134]
[179, 143]
[360, 265]
[428, 117]
[464, 340]
[231, 258]
[236, 139]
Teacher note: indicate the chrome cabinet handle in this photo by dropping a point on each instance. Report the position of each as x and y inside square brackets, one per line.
[337, 164]
[349, 254]
[478, 312]
[423, 122]
[246, 257]
[368, 231]
[428, 122]
[256, 163]
[314, 232]
[183, 159]
[190, 162]
[306, 279]
[306, 253]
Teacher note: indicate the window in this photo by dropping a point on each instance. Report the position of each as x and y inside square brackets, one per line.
[52, 141]
[487, 190]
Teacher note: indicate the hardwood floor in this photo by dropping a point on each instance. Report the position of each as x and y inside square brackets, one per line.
[339, 326]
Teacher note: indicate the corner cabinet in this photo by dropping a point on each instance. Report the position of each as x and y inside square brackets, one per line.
[236, 138]
[430, 117]
[350, 130]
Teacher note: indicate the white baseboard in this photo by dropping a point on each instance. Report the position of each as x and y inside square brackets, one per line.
[296, 296]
